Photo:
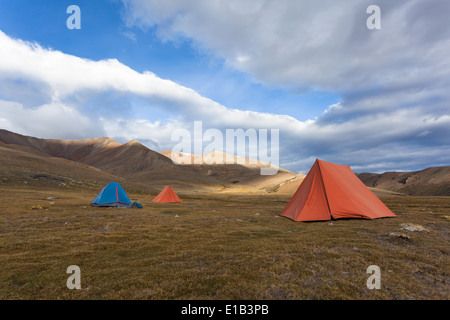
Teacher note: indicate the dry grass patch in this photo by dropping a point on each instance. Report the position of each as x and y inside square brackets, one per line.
[215, 247]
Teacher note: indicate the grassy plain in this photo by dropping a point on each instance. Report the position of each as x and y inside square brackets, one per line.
[229, 246]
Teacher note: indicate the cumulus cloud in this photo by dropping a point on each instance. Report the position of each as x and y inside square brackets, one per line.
[392, 82]
[71, 88]
[67, 77]
[53, 120]
[308, 43]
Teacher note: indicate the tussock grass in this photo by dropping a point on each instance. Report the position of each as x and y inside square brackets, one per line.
[214, 247]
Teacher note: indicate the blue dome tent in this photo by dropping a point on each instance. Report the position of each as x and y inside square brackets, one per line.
[113, 195]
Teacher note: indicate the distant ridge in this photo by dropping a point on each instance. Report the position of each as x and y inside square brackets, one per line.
[75, 150]
[135, 162]
[132, 160]
[26, 166]
[434, 181]
[106, 159]
[242, 171]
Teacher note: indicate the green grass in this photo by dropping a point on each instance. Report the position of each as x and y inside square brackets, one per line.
[215, 247]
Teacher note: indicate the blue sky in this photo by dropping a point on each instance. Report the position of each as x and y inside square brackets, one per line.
[104, 34]
[373, 99]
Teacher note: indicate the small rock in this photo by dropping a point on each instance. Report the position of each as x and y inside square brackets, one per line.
[399, 235]
[412, 227]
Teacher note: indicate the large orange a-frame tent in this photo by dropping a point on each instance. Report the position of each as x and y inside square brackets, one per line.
[167, 195]
[333, 191]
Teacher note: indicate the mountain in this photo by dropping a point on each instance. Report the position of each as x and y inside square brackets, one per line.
[242, 172]
[75, 150]
[132, 161]
[93, 162]
[27, 166]
[434, 181]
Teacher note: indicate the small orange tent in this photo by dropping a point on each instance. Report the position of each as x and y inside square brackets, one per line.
[167, 195]
[333, 191]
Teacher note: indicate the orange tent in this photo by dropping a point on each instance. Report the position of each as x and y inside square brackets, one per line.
[333, 191]
[167, 195]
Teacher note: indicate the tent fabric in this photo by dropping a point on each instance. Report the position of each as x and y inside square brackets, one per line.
[113, 195]
[137, 205]
[333, 191]
[167, 195]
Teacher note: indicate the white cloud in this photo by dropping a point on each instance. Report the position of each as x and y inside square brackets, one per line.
[69, 80]
[53, 120]
[308, 43]
[67, 75]
[393, 83]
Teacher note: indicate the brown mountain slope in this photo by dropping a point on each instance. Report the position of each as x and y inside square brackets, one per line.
[75, 150]
[21, 165]
[104, 159]
[136, 162]
[242, 172]
[103, 153]
[132, 161]
[433, 181]
[127, 159]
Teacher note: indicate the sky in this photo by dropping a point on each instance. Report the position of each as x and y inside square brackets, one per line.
[374, 99]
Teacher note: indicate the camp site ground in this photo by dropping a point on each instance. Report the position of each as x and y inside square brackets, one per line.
[215, 247]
